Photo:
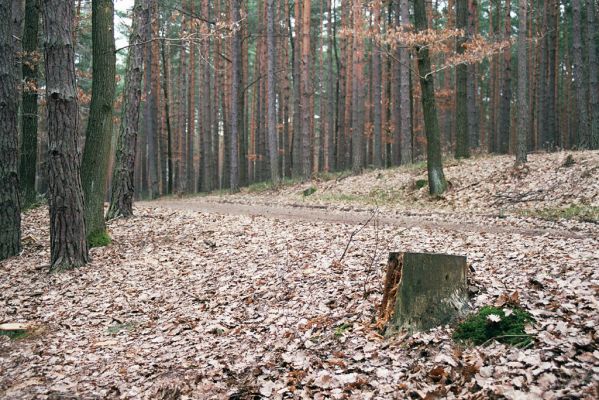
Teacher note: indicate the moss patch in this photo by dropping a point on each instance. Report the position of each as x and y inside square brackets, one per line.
[15, 335]
[311, 190]
[492, 323]
[99, 239]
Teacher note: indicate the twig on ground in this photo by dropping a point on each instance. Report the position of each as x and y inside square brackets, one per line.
[353, 234]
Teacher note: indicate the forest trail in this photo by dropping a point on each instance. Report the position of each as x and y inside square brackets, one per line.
[340, 215]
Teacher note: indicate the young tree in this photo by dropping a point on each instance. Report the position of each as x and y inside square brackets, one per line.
[123, 188]
[30, 61]
[523, 125]
[94, 170]
[436, 177]
[10, 208]
[68, 244]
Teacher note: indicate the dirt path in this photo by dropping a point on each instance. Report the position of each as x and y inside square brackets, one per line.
[335, 215]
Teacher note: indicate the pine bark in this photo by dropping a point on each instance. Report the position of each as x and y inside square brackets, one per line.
[94, 172]
[582, 124]
[123, 188]
[306, 91]
[473, 76]
[68, 244]
[357, 91]
[436, 177]
[377, 90]
[273, 142]
[10, 207]
[506, 89]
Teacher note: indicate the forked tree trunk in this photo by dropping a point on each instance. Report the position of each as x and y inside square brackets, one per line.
[422, 291]
[68, 244]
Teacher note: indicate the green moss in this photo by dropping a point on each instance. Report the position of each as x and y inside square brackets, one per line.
[99, 239]
[420, 183]
[342, 329]
[579, 212]
[309, 191]
[478, 329]
[15, 335]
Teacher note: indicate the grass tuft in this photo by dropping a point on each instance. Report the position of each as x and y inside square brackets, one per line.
[578, 212]
[99, 239]
[492, 323]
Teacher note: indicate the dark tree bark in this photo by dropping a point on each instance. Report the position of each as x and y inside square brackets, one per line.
[523, 124]
[357, 91]
[462, 149]
[273, 143]
[68, 244]
[191, 106]
[550, 115]
[472, 106]
[10, 208]
[306, 91]
[30, 60]
[123, 189]
[593, 76]
[329, 135]
[436, 178]
[94, 170]
[165, 52]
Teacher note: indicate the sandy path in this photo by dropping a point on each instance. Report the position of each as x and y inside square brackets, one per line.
[335, 215]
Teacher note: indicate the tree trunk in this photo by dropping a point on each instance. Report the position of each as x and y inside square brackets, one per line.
[472, 107]
[593, 76]
[30, 62]
[235, 56]
[436, 178]
[405, 93]
[273, 142]
[306, 91]
[10, 209]
[166, 53]
[123, 189]
[357, 91]
[462, 149]
[377, 89]
[523, 125]
[98, 135]
[150, 117]
[68, 244]
[506, 89]
[191, 102]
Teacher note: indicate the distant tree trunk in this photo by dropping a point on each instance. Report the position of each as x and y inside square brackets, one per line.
[523, 124]
[377, 89]
[10, 211]
[341, 90]
[462, 149]
[306, 90]
[98, 135]
[436, 178]
[582, 124]
[551, 136]
[472, 107]
[191, 103]
[593, 75]
[167, 113]
[68, 244]
[329, 143]
[405, 92]
[123, 189]
[357, 91]
[150, 118]
[30, 62]
[235, 56]
[506, 88]
[273, 142]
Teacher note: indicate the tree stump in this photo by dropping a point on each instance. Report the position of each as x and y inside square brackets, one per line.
[423, 291]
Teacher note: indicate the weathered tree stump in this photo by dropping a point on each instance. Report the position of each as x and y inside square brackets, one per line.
[423, 291]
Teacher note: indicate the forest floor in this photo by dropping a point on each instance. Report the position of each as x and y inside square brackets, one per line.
[248, 295]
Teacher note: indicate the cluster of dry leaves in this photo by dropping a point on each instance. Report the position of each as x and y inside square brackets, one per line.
[186, 304]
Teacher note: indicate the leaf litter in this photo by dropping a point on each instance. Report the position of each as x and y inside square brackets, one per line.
[185, 304]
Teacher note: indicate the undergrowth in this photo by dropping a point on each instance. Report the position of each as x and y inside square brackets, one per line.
[99, 239]
[505, 325]
[578, 212]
